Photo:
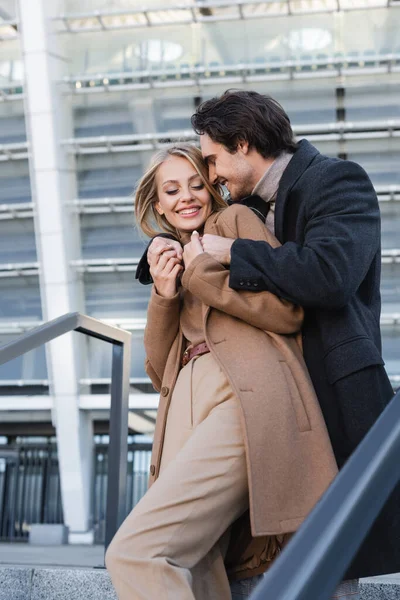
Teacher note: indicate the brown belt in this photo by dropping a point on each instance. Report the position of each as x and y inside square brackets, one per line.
[193, 351]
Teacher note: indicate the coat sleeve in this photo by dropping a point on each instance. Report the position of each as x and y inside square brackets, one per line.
[342, 236]
[161, 329]
[208, 280]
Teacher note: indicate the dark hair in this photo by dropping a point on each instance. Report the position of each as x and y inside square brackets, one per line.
[239, 115]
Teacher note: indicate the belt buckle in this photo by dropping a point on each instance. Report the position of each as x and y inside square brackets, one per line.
[185, 357]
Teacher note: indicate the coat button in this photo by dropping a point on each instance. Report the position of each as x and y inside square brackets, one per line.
[152, 470]
[248, 283]
[164, 391]
[241, 282]
[255, 284]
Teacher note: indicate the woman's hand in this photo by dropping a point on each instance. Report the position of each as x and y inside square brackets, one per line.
[160, 245]
[192, 249]
[165, 269]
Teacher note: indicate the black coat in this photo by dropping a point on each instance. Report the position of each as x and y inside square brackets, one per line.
[327, 218]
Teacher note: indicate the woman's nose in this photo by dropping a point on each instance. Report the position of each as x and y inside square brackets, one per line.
[186, 194]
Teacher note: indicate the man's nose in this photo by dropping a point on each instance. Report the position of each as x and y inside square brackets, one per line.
[212, 174]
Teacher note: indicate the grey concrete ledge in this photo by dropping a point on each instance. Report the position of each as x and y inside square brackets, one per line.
[45, 583]
[380, 588]
[15, 584]
[55, 584]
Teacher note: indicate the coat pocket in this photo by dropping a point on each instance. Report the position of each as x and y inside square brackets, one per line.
[302, 419]
[350, 356]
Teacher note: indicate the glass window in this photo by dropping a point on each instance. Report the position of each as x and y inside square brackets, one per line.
[103, 120]
[8, 10]
[382, 167]
[14, 182]
[12, 129]
[112, 236]
[390, 288]
[391, 349]
[304, 108]
[379, 31]
[111, 295]
[100, 354]
[107, 182]
[301, 36]
[390, 215]
[20, 299]
[14, 190]
[173, 113]
[17, 241]
[372, 102]
[31, 365]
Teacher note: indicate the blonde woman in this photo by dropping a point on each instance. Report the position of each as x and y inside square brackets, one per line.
[241, 452]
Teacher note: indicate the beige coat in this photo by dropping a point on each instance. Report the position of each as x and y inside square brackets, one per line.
[253, 338]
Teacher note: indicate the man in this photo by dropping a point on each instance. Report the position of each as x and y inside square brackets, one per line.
[325, 213]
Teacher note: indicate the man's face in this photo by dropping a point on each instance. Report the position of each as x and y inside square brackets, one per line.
[234, 171]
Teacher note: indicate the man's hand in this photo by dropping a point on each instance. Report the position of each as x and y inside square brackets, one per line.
[219, 247]
[160, 245]
[192, 249]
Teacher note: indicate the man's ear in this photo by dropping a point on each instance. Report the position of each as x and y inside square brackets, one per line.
[243, 146]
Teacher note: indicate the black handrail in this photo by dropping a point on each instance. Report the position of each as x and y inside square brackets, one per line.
[121, 362]
[316, 558]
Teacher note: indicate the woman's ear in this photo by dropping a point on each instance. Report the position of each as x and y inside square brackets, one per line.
[158, 208]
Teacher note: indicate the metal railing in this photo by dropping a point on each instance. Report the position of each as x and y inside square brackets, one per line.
[203, 11]
[317, 557]
[256, 70]
[315, 132]
[118, 446]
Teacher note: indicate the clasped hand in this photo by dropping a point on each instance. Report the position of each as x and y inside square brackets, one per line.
[166, 258]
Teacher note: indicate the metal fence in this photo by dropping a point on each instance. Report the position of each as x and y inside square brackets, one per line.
[138, 463]
[30, 490]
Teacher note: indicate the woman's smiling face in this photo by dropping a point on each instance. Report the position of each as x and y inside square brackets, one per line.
[183, 198]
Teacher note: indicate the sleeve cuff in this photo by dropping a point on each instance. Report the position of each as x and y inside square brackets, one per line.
[161, 301]
[185, 280]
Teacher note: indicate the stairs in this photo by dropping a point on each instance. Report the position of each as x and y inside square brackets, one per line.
[44, 583]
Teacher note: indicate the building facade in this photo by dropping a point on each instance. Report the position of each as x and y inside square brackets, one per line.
[88, 91]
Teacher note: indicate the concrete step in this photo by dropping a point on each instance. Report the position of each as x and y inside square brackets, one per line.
[381, 588]
[41, 583]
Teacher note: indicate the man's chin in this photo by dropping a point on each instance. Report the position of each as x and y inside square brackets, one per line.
[238, 195]
[233, 198]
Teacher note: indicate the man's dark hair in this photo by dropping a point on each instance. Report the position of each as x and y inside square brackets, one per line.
[239, 116]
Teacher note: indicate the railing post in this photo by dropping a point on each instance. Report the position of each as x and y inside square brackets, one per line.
[121, 362]
[118, 444]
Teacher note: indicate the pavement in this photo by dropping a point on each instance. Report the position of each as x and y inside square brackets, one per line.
[76, 572]
[22, 554]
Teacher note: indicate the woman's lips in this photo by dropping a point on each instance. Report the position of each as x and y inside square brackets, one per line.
[193, 212]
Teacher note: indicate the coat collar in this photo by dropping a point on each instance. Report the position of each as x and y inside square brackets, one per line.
[302, 158]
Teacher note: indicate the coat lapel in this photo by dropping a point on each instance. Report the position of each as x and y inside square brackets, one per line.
[303, 156]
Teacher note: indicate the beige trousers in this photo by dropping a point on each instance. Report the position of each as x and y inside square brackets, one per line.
[173, 543]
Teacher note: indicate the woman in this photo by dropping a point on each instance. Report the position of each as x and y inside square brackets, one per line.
[241, 452]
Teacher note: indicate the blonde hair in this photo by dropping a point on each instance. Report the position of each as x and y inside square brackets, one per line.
[147, 217]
